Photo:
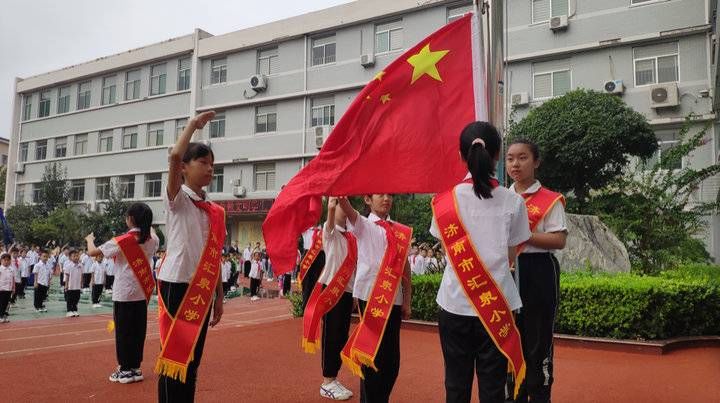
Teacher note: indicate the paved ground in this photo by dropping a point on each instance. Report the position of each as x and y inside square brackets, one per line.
[254, 356]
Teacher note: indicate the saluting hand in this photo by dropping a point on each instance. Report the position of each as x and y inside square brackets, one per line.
[201, 120]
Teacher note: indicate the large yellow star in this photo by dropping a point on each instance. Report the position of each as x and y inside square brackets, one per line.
[425, 63]
[379, 76]
[385, 98]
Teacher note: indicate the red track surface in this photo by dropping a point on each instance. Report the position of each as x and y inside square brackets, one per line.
[254, 356]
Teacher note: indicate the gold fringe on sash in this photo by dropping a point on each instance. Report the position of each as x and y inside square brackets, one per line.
[519, 378]
[310, 347]
[353, 366]
[171, 369]
[365, 360]
[110, 326]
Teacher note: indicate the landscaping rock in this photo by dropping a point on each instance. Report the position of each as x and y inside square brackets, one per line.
[592, 243]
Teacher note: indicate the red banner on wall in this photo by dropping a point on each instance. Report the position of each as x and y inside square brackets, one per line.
[246, 206]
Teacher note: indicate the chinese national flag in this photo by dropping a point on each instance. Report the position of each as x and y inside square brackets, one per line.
[400, 135]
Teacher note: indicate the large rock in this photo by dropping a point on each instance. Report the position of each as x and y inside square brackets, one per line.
[590, 242]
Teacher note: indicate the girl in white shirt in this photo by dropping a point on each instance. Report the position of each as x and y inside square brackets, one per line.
[7, 286]
[538, 271]
[256, 273]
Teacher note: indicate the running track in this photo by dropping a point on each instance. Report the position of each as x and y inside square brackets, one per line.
[253, 355]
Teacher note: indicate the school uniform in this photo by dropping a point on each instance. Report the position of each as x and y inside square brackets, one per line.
[98, 281]
[17, 278]
[7, 286]
[418, 267]
[73, 281]
[225, 274]
[25, 268]
[61, 263]
[493, 225]
[372, 243]
[538, 277]
[129, 304]
[109, 265]
[87, 262]
[255, 277]
[247, 260]
[43, 272]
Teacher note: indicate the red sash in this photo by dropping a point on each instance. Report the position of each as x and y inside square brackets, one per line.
[322, 301]
[180, 333]
[478, 284]
[363, 344]
[137, 261]
[538, 206]
[310, 255]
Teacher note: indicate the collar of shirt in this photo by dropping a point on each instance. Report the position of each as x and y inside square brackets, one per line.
[532, 189]
[375, 218]
[134, 229]
[192, 194]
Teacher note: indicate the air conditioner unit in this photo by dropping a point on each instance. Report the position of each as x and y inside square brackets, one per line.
[19, 167]
[614, 87]
[664, 95]
[258, 82]
[237, 182]
[321, 134]
[367, 60]
[520, 99]
[559, 23]
[239, 191]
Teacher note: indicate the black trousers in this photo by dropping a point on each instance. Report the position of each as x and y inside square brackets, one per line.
[130, 328]
[377, 386]
[254, 286]
[226, 287]
[311, 277]
[86, 277]
[97, 290]
[109, 280]
[246, 269]
[40, 294]
[171, 390]
[539, 278]
[335, 329]
[21, 289]
[4, 301]
[287, 282]
[72, 297]
[14, 295]
[468, 349]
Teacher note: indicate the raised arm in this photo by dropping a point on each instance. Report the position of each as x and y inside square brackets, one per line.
[350, 212]
[175, 159]
[92, 251]
[332, 204]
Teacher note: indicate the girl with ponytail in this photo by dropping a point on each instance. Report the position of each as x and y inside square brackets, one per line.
[479, 224]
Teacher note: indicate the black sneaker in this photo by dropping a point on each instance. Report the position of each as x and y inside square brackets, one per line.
[137, 374]
[122, 376]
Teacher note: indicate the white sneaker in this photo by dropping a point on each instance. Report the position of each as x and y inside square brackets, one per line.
[254, 298]
[137, 375]
[334, 391]
[97, 306]
[233, 288]
[347, 391]
[76, 314]
[69, 315]
[43, 309]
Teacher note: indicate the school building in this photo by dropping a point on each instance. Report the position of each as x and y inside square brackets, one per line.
[280, 87]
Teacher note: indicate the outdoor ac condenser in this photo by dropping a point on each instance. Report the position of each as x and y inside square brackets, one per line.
[664, 95]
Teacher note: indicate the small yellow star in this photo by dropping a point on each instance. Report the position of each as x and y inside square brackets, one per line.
[368, 97]
[379, 75]
[425, 62]
[385, 98]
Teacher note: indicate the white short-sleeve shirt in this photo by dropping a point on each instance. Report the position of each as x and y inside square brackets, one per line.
[126, 286]
[7, 279]
[256, 269]
[493, 225]
[109, 265]
[43, 271]
[336, 249]
[25, 267]
[98, 273]
[554, 220]
[226, 269]
[74, 272]
[15, 264]
[372, 243]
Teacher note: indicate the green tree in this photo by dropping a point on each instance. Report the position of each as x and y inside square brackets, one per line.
[20, 218]
[62, 225]
[587, 139]
[652, 210]
[415, 211]
[54, 188]
[114, 210]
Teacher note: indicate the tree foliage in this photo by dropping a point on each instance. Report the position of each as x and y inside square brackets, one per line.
[54, 188]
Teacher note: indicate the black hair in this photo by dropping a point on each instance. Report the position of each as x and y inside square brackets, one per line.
[480, 158]
[534, 149]
[5, 256]
[197, 150]
[142, 216]
[42, 251]
[14, 249]
[73, 251]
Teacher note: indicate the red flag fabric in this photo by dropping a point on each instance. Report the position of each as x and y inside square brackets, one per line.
[400, 135]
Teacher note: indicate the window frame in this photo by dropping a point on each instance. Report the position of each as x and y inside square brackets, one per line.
[552, 83]
[60, 141]
[322, 107]
[256, 172]
[27, 107]
[44, 104]
[324, 46]
[77, 193]
[215, 124]
[270, 58]
[389, 31]
[184, 75]
[109, 90]
[36, 190]
[102, 188]
[155, 184]
[77, 140]
[63, 100]
[159, 133]
[106, 136]
[218, 177]
[24, 152]
[179, 129]
[656, 69]
[258, 115]
[135, 83]
[38, 148]
[84, 97]
[133, 135]
[220, 70]
[532, 13]
[126, 184]
[161, 79]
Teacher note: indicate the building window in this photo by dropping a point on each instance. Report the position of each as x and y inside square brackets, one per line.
[184, 74]
[44, 109]
[23, 152]
[108, 91]
[323, 112]
[264, 176]
[102, 188]
[158, 77]
[61, 147]
[218, 71]
[20, 194]
[656, 64]
[542, 10]
[36, 189]
[217, 126]
[3, 159]
[28, 107]
[129, 138]
[127, 186]
[323, 50]
[105, 141]
[63, 100]
[267, 61]
[77, 190]
[456, 12]
[550, 84]
[81, 142]
[265, 119]
[41, 150]
[155, 134]
[83, 95]
[388, 37]
[132, 85]
[179, 127]
[216, 186]
[633, 2]
[153, 185]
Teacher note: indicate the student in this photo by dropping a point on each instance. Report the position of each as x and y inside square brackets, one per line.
[61, 259]
[109, 264]
[133, 288]
[43, 271]
[25, 268]
[391, 303]
[256, 273]
[247, 260]
[87, 263]
[431, 264]
[420, 263]
[538, 271]
[72, 271]
[7, 286]
[97, 280]
[479, 224]
[226, 269]
[195, 235]
[18, 291]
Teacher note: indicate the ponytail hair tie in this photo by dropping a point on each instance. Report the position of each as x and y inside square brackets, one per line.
[478, 141]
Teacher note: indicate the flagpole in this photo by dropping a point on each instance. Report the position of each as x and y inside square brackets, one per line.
[495, 68]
